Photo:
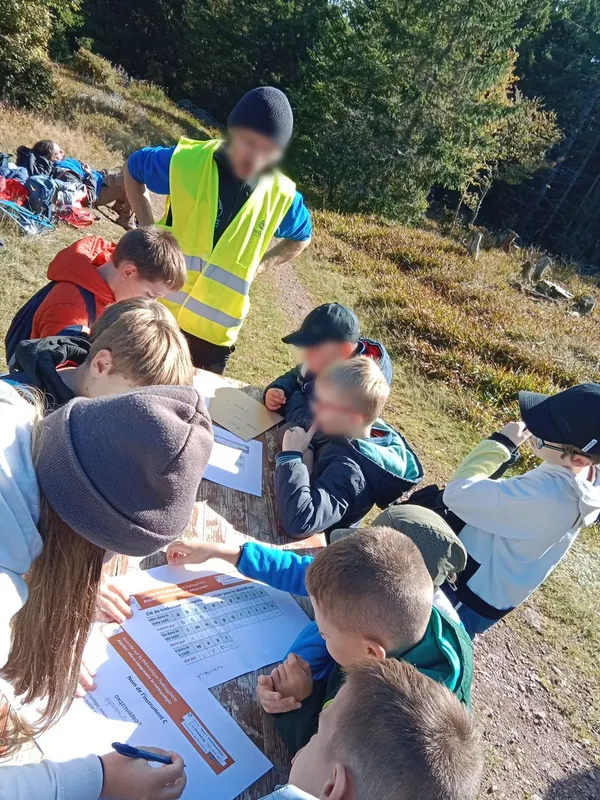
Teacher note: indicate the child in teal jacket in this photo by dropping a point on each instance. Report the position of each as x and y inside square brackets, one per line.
[372, 596]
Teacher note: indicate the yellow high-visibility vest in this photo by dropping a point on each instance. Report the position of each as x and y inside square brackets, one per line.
[215, 299]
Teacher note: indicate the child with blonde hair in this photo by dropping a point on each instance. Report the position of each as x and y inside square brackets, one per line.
[135, 343]
[363, 461]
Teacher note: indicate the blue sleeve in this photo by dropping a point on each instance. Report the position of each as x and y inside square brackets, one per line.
[286, 382]
[73, 164]
[297, 409]
[280, 569]
[150, 166]
[310, 646]
[296, 224]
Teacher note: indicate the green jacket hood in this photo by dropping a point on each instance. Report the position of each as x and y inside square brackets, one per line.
[444, 654]
[388, 463]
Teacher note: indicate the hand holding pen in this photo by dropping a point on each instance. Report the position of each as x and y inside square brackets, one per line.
[129, 776]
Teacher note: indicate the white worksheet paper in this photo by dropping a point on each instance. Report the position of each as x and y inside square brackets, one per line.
[135, 702]
[235, 463]
[210, 623]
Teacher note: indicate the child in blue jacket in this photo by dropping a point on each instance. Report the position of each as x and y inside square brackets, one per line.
[363, 461]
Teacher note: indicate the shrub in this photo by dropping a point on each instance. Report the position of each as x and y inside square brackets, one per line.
[25, 32]
[97, 69]
[25, 81]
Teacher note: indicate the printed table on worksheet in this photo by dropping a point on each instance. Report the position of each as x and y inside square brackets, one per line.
[217, 625]
[200, 628]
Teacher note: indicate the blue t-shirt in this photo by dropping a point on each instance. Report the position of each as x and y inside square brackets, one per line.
[77, 167]
[150, 166]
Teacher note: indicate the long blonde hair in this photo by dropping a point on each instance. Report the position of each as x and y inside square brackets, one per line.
[50, 632]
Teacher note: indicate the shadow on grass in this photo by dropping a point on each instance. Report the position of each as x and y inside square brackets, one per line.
[585, 786]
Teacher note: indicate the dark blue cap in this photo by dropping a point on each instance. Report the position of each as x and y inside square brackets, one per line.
[265, 110]
[569, 417]
[331, 322]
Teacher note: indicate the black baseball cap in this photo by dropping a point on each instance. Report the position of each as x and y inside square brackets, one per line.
[331, 322]
[569, 417]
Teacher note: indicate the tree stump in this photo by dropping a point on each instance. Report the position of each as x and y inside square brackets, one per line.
[508, 245]
[541, 265]
[585, 305]
[527, 271]
[473, 244]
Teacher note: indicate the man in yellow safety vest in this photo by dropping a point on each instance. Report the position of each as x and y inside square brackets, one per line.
[227, 200]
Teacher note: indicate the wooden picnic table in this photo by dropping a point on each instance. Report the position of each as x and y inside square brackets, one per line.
[226, 515]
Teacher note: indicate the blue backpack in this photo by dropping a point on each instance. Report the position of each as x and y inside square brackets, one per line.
[22, 324]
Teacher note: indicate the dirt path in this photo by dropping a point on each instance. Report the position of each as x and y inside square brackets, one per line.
[295, 302]
[530, 752]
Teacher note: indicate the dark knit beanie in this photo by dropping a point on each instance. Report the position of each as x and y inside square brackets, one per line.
[123, 471]
[265, 110]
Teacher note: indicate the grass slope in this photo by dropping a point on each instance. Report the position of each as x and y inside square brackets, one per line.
[99, 124]
[462, 340]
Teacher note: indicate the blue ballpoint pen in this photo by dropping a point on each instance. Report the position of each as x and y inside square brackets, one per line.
[134, 752]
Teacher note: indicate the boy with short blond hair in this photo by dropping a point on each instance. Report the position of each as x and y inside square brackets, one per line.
[91, 274]
[134, 343]
[518, 529]
[372, 597]
[363, 461]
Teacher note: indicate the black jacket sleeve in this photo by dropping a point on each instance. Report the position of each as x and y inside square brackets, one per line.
[307, 508]
[297, 727]
[297, 409]
[288, 382]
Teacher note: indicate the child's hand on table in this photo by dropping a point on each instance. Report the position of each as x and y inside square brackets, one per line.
[112, 604]
[274, 399]
[193, 551]
[271, 701]
[298, 439]
[293, 678]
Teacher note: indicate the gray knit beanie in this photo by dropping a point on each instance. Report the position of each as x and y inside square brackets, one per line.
[265, 110]
[123, 471]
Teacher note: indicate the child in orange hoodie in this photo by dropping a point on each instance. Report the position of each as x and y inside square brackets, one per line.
[147, 262]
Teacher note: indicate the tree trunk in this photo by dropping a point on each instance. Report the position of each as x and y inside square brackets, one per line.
[481, 199]
[459, 206]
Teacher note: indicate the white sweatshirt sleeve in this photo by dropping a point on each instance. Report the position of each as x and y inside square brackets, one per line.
[79, 779]
[510, 508]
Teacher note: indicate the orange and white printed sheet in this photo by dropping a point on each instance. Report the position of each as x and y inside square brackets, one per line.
[211, 622]
[135, 702]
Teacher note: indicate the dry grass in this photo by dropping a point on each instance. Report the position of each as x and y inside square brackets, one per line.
[460, 323]
[99, 127]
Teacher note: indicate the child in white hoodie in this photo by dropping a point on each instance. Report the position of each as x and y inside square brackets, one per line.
[518, 529]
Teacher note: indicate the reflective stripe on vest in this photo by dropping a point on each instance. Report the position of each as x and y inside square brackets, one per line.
[197, 264]
[215, 298]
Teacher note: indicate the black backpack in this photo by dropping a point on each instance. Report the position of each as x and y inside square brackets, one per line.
[22, 324]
